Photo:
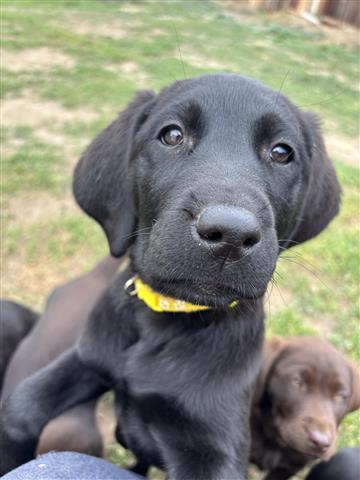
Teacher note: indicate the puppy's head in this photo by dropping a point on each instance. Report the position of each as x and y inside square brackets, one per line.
[306, 387]
[207, 179]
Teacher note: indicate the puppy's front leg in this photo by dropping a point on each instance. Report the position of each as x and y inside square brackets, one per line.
[62, 384]
[200, 466]
[196, 459]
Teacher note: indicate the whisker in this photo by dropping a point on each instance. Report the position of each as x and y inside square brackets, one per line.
[179, 49]
[341, 92]
[297, 255]
[309, 271]
[281, 87]
[288, 240]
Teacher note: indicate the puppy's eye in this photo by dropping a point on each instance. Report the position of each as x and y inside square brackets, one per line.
[296, 381]
[171, 136]
[282, 153]
[340, 397]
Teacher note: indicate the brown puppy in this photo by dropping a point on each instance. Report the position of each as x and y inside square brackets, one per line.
[66, 312]
[15, 323]
[304, 389]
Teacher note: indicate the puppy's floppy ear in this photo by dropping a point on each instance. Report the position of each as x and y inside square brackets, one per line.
[101, 178]
[354, 403]
[272, 348]
[322, 198]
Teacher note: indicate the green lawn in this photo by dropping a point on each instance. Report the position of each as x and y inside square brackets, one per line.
[68, 67]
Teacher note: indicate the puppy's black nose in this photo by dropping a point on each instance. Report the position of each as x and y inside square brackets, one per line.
[221, 226]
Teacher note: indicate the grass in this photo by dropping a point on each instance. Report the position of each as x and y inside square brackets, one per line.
[117, 48]
[266, 51]
[33, 164]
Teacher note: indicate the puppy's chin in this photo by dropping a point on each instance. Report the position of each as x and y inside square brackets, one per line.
[329, 452]
[192, 291]
[304, 448]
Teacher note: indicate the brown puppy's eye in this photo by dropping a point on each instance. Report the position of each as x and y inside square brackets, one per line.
[340, 397]
[297, 381]
[171, 136]
[282, 153]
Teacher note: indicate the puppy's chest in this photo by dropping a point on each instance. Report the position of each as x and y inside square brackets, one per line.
[173, 363]
[267, 454]
[149, 400]
[160, 367]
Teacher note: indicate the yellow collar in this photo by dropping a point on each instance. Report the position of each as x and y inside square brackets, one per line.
[162, 303]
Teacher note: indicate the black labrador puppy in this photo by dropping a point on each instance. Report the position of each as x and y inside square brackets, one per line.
[206, 182]
[345, 465]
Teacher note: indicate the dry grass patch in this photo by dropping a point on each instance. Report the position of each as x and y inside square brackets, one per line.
[115, 28]
[345, 149]
[157, 31]
[70, 147]
[198, 60]
[30, 282]
[276, 299]
[11, 146]
[30, 110]
[106, 420]
[29, 207]
[132, 71]
[43, 58]
[124, 68]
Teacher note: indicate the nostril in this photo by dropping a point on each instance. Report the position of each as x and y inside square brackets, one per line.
[251, 241]
[212, 236]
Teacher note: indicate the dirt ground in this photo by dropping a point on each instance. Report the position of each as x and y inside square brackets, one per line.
[335, 30]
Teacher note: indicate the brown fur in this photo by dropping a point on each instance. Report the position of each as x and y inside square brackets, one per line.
[66, 312]
[304, 389]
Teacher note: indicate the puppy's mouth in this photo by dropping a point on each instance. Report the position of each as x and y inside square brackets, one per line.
[198, 293]
[312, 453]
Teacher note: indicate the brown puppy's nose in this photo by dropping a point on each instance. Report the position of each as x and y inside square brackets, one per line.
[221, 227]
[319, 439]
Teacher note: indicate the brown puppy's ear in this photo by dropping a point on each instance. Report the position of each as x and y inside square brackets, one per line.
[101, 178]
[272, 348]
[322, 197]
[354, 403]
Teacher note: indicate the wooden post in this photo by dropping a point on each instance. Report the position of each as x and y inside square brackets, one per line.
[317, 7]
[302, 6]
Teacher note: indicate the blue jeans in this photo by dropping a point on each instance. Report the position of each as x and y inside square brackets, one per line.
[345, 465]
[69, 466]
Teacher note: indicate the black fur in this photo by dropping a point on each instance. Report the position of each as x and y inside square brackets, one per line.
[183, 382]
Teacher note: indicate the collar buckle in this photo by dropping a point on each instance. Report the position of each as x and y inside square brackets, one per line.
[130, 287]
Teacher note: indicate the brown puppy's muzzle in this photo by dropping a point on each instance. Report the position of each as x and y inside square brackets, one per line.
[312, 433]
[320, 434]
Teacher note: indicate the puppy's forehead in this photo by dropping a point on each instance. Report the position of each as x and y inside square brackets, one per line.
[315, 355]
[224, 85]
[232, 97]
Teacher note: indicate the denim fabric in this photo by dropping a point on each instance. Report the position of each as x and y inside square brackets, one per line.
[69, 466]
[75, 466]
